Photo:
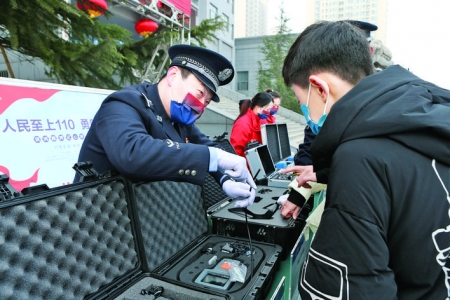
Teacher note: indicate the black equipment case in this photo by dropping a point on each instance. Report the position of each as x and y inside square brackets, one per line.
[270, 229]
[263, 218]
[106, 238]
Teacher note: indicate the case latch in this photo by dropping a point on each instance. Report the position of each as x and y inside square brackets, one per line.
[220, 137]
[7, 192]
[86, 171]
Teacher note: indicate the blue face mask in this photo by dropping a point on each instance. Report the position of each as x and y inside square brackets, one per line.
[273, 110]
[264, 115]
[315, 127]
[188, 111]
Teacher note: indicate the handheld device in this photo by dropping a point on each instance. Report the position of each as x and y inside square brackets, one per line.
[217, 277]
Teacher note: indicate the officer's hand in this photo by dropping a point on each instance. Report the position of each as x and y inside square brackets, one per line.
[236, 190]
[235, 166]
[248, 201]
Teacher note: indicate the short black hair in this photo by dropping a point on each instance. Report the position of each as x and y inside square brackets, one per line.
[336, 47]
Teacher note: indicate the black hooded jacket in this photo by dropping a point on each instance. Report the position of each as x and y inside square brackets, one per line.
[385, 231]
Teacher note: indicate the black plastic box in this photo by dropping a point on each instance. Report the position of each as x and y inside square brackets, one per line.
[266, 225]
[106, 238]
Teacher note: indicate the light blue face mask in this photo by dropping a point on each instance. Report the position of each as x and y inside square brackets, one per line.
[315, 127]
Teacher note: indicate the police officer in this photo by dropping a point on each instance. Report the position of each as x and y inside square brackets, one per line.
[147, 132]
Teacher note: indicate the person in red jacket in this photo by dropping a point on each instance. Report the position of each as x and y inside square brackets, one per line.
[276, 99]
[247, 126]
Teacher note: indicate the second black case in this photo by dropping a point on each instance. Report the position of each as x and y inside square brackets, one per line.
[263, 219]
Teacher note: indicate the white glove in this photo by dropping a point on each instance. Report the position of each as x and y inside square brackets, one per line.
[235, 166]
[248, 201]
[282, 199]
[236, 190]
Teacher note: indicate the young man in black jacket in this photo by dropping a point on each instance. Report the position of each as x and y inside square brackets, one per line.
[302, 159]
[384, 140]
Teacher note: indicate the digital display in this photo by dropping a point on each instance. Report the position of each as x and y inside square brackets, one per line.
[215, 279]
[266, 159]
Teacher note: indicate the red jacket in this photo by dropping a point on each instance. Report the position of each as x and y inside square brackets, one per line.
[247, 128]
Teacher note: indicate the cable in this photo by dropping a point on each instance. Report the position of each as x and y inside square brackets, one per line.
[251, 247]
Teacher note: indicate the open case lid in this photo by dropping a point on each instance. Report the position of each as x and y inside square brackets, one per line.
[171, 218]
[174, 226]
[69, 242]
[261, 163]
[212, 191]
[276, 137]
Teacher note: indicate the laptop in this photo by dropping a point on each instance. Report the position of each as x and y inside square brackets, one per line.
[276, 137]
[263, 169]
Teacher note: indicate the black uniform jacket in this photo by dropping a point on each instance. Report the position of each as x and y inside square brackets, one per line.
[385, 230]
[132, 133]
[303, 155]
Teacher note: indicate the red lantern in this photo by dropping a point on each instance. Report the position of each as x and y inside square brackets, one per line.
[146, 27]
[95, 8]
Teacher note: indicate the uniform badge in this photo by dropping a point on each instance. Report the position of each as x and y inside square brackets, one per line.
[149, 103]
[159, 119]
[225, 74]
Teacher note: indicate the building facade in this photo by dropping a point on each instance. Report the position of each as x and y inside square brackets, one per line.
[372, 11]
[223, 41]
[248, 55]
[251, 18]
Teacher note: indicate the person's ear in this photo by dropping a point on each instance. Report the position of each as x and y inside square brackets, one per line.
[320, 86]
[171, 75]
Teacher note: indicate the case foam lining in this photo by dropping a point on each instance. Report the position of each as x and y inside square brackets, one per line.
[171, 216]
[65, 246]
[171, 291]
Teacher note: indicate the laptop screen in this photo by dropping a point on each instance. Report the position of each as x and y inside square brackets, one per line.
[266, 159]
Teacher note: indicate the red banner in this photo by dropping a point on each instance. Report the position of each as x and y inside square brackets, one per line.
[183, 5]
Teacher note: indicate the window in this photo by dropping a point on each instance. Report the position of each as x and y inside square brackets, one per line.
[193, 17]
[227, 21]
[212, 11]
[227, 51]
[214, 45]
[242, 81]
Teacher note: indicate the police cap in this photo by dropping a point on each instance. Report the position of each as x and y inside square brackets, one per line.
[364, 26]
[208, 66]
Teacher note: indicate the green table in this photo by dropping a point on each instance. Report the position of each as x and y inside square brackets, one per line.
[285, 270]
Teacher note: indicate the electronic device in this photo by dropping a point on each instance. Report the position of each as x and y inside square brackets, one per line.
[219, 276]
[263, 169]
[276, 137]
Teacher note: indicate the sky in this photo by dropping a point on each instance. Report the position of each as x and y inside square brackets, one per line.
[417, 34]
